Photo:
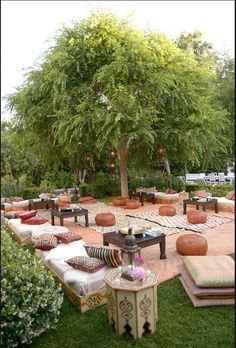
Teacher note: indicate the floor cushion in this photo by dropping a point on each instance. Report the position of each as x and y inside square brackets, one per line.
[191, 244]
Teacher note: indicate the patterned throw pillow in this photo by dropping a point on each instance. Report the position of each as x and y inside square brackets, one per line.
[230, 195]
[68, 237]
[106, 254]
[170, 191]
[86, 264]
[27, 215]
[46, 241]
[36, 220]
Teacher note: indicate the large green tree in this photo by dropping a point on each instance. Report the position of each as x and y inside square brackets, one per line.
[106, 84]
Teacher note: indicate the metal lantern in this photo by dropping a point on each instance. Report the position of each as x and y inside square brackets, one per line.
[128, 253]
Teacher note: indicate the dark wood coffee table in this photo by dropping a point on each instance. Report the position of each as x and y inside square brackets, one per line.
[63, 214]
[38, 204]
[142, 195]
[199, 203]
[143, 242]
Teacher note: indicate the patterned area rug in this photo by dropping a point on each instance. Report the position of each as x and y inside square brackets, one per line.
[179, 221]
[122, 220]
[147, 220]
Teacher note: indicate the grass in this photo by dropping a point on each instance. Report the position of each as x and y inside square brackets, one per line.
[179, 325]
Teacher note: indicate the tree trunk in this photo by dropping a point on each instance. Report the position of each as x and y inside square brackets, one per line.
[167, 165]
[80, 175]
[122, 151]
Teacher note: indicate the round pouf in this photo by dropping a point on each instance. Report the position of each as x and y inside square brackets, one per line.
[105, 219]
[120, 201]
[167, 210]
[191, 244]
[196, 217]
[132, 204]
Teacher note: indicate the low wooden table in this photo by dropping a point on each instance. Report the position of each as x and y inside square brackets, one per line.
[117, 239]
[38, 204]
[130, 305]
[199, 203]
[63, 214]
[142, 195]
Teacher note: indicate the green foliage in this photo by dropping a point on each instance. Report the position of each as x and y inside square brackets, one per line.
[57, 178]
[10, 187]
[83, 190]
[30, 299]
[104, 184]
[31, 192]
[220, 190]
[215, 190]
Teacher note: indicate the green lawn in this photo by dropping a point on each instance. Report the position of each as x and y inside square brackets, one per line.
[179, 325]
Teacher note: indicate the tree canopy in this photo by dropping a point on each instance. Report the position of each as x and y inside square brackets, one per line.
[107, 85]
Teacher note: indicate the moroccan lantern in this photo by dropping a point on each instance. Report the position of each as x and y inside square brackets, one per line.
[128, 254]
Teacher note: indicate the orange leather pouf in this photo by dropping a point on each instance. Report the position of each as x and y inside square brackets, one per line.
[191, 244]
[196, 217]
[167, 210]
[105, 219]
[118, 201]
[132, 204]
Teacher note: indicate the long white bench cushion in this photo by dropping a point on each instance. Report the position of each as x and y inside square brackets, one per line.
[224, 202]
[167, 195]
[82, 283]
[62, 252]
[23, 229]
[85, 283]
[47, 229]
[24, 203]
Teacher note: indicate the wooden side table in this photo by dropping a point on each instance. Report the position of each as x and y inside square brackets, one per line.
[131, 306]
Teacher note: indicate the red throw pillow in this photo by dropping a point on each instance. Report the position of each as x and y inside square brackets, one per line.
[87, 199]
[27, 215]
[85, 263]
[170, 191]
[46, 241]
[36, 220]
[68, 237]
[230, 195]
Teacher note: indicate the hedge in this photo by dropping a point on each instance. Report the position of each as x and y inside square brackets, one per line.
[30, 298]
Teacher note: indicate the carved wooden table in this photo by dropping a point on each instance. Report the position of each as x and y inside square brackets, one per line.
[132, 306]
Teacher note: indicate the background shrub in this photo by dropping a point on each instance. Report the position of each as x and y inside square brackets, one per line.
[30, 299]
[160, 180]
[215, 190]
[104, 184]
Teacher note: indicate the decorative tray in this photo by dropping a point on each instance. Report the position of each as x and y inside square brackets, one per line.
[137, 230]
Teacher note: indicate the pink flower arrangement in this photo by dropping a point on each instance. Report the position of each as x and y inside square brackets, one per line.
[138, 273]
[139, 260]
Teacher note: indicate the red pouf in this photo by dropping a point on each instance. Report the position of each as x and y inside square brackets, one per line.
[105, 219]
[196, 217]
[167, 210]
[132, 204]
[191, 244]
[120, 201]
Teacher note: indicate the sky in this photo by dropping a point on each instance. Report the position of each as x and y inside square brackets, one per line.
[28, 26]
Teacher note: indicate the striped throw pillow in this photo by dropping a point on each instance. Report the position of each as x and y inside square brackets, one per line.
[110, 256]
